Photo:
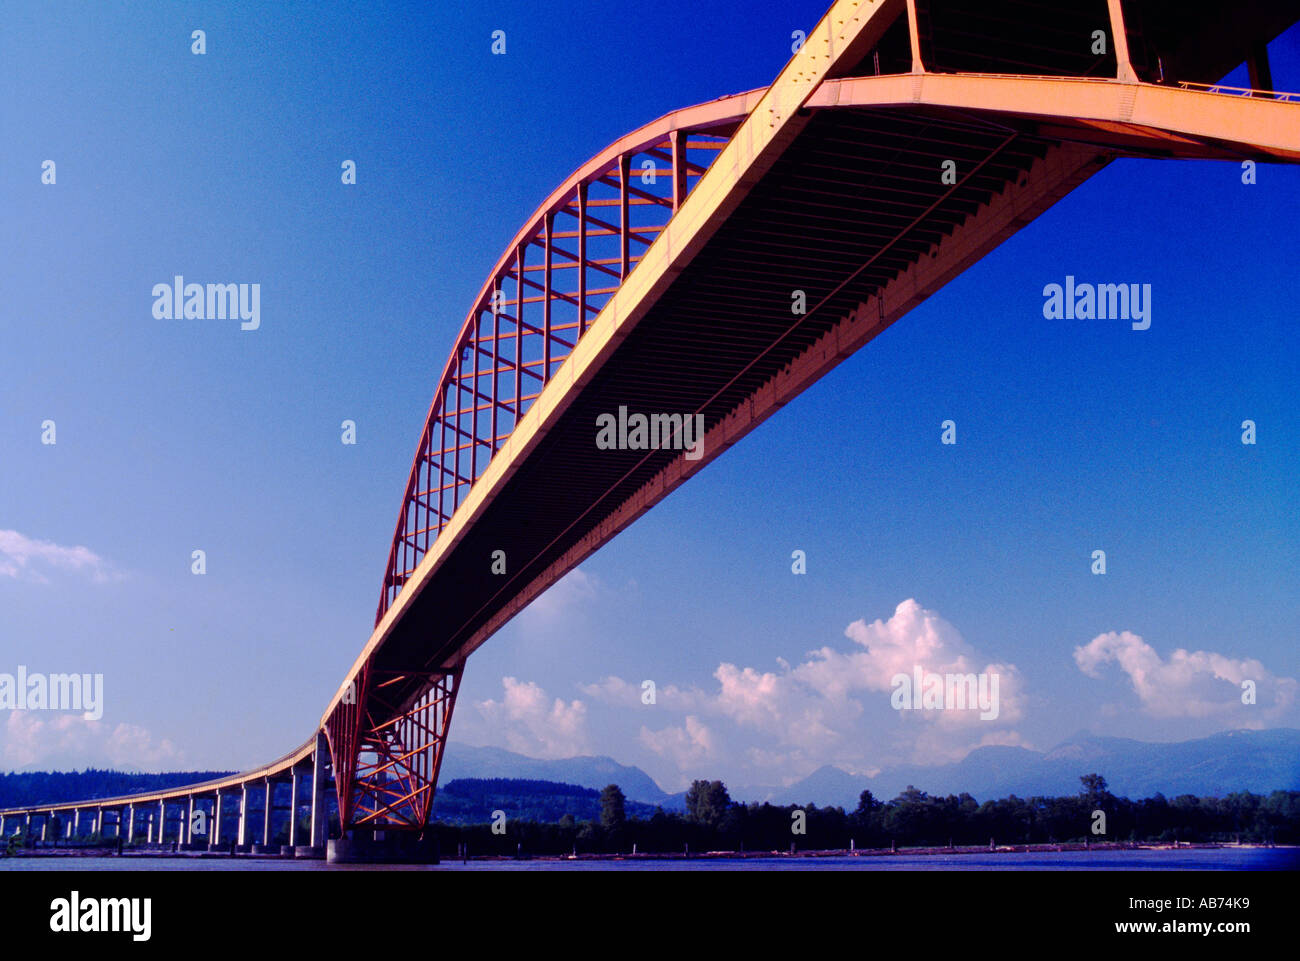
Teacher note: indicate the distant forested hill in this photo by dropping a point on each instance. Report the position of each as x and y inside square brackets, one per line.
[52, 787]
[472, 801]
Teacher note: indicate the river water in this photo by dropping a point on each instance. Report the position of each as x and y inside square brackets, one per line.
[1211, 859]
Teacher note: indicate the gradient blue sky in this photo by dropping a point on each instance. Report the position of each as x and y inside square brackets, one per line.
[177, 435]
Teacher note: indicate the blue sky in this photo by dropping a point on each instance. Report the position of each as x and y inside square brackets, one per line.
[173, 436]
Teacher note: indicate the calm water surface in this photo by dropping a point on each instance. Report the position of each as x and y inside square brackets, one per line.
[1221, 859]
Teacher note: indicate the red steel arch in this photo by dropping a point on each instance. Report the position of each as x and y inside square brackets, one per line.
[585, 239]
[574, 254]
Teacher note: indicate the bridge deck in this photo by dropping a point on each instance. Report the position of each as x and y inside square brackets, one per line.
[829, 183]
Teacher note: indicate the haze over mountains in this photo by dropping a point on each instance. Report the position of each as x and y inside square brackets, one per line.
[1256, 761]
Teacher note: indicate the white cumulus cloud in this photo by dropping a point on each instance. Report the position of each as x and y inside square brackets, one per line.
[532, 723]
[57, 741]
[685, 746]
[26, 558]
[1190, 684]
[794, 719]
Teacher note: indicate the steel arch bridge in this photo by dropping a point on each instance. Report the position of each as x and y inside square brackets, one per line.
[666, 275]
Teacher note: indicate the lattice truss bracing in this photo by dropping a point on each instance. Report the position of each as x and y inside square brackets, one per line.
[541, 299]
[391, 752]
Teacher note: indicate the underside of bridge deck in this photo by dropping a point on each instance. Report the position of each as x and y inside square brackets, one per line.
[882, 184]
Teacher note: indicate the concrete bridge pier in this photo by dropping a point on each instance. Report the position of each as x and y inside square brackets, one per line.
[294, 800]
[383, 847]
[241, 839]
[320, 794]
[214, 825]
[268, 810]
[317, 797]
[264, 831]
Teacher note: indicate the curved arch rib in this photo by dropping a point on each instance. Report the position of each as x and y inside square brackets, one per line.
[584, 240]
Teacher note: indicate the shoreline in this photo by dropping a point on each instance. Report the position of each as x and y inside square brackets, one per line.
[146, 852]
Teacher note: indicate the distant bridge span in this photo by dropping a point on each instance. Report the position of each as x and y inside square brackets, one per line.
[661, 277]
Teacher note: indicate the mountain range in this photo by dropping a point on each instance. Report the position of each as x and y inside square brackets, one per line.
[463, 761]
[1242, 760]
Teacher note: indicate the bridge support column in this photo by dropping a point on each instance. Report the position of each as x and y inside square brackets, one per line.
[242, 837]
[130, 824]
[914, 37]
[214, 829]
[293, 808]
[1119, 39]
[162, 822]
[1257, 68]
[267, 812]
[320, 791]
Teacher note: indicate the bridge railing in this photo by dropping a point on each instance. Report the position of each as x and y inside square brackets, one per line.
[1239, 91]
